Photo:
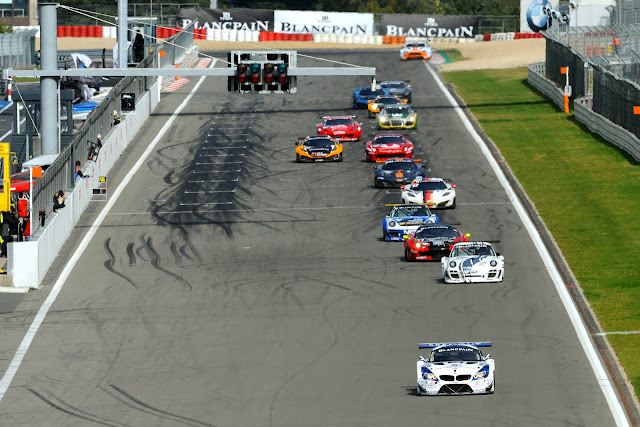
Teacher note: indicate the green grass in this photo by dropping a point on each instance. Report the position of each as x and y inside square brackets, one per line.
[586, 190]
[26, 79]
[451, 55]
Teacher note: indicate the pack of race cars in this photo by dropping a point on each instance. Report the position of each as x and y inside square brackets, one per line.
[452, 367]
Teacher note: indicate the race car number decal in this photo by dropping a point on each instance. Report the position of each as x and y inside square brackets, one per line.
[399, 174]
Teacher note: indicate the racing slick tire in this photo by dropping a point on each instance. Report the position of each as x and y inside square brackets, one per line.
[371, 115]
[339, 158]
[298, 158]
[453, 205]
[376, 184]
[406, 255]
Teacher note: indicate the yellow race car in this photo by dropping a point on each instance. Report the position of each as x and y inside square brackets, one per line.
[397, 117]
[381, 101]
[318, 149]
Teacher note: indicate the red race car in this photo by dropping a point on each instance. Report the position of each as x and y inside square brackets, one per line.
[384, 147]
[432, 242]
[342, 128]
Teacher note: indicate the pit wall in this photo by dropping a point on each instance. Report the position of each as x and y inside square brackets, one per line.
[28, 262]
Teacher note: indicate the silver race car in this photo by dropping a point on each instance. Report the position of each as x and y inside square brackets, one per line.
[473, 262]
[455, 368]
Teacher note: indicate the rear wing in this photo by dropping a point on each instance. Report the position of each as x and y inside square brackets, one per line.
[353, 116]
[440, 344]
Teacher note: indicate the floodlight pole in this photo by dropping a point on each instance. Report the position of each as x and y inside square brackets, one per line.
[49, 84]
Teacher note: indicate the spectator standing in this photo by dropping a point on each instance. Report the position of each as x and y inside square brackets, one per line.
[138, 47]
[42, 216]
[58, 200]
[116, 117]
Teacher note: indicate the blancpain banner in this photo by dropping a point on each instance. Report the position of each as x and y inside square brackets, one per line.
[310, 22]
[428, 25]
[227, 19]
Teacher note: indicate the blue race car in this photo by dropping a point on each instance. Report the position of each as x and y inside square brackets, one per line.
[396, 172]
[405, 219]
[361, 96]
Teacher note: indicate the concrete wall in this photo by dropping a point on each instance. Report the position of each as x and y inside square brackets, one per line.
[28, 262]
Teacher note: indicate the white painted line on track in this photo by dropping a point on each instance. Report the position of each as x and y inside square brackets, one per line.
[201, 204]
[581, 330]
[278, 209]
[217, 171]
[226, 148]
[213, 180]
[21, 352]
[209, 191]
[221, 155]
[219, 163]
[7, 106]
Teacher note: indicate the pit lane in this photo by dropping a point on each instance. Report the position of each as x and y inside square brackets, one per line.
[263, 295]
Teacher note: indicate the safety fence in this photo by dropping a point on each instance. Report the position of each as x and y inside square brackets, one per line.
[61, 174]
[604, 85]
[17, 49]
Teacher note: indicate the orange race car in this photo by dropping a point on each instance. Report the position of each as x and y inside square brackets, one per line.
[318, 149]
[376, 105]
[415, 50]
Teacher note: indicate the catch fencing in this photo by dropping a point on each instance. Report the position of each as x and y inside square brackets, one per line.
[61, 174]
[17, 49]
[604, 72]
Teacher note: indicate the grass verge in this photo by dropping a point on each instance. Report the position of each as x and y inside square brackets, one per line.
[585, 189]
[451, 55]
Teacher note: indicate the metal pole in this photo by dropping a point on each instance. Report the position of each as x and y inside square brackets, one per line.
[48, 85]
[123, 57]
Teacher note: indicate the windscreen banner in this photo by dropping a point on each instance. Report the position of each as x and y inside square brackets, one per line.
[311, 22]
[226, 19]
[410, 25]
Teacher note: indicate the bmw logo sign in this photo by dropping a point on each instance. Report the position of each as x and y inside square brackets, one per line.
[536, 16]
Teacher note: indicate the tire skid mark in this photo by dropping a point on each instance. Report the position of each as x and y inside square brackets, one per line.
[177, 258]
[111, 261]
[160, 411]
[155, 260]
[183, 251]
[73, 412]
[132, 256]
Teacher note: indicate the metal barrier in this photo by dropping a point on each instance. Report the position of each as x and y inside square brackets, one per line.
[164, 12]
[17, 50]
[547, 87]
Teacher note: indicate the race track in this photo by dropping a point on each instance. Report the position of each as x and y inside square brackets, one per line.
[231, 286]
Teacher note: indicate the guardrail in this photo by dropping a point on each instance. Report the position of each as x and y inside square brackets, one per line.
[536, 78]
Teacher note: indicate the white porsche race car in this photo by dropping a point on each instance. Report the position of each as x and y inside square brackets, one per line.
[473, 262]
[435, 192]
[456, 368]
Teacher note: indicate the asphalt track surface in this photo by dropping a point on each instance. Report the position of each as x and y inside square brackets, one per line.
[231, 286]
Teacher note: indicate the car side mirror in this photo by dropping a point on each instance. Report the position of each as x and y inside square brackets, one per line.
[498, 254]
[488, 356]
[467, 235]
[453, 186]
[298, 142]
[405, 237]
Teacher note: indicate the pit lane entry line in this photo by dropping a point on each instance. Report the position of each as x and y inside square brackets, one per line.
[581, 330]
[21, 352]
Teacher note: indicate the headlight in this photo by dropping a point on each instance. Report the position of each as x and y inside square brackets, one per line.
[446, 194]
[481, 374]
[392, 223]
[452, 264]
[374, 106]
[383, 119]
[493, 263]
[430, 377]
[418, 245]
[333, 147]
[411, 119]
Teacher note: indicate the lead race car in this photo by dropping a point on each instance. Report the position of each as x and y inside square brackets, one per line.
[404, 219]
[473, 262]
[415, 50]
[455, 368]
[341, 128]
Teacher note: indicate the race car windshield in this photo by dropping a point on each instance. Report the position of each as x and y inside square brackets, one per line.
[435, 232]
[396, 166]
[429, 186]
[475, 250]
[338, 122]
[389, 139]
[399, 85]
[318, 143]
[457, 353]
[397, 110]
[368, 92]
[414, 210]
[388, 100]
